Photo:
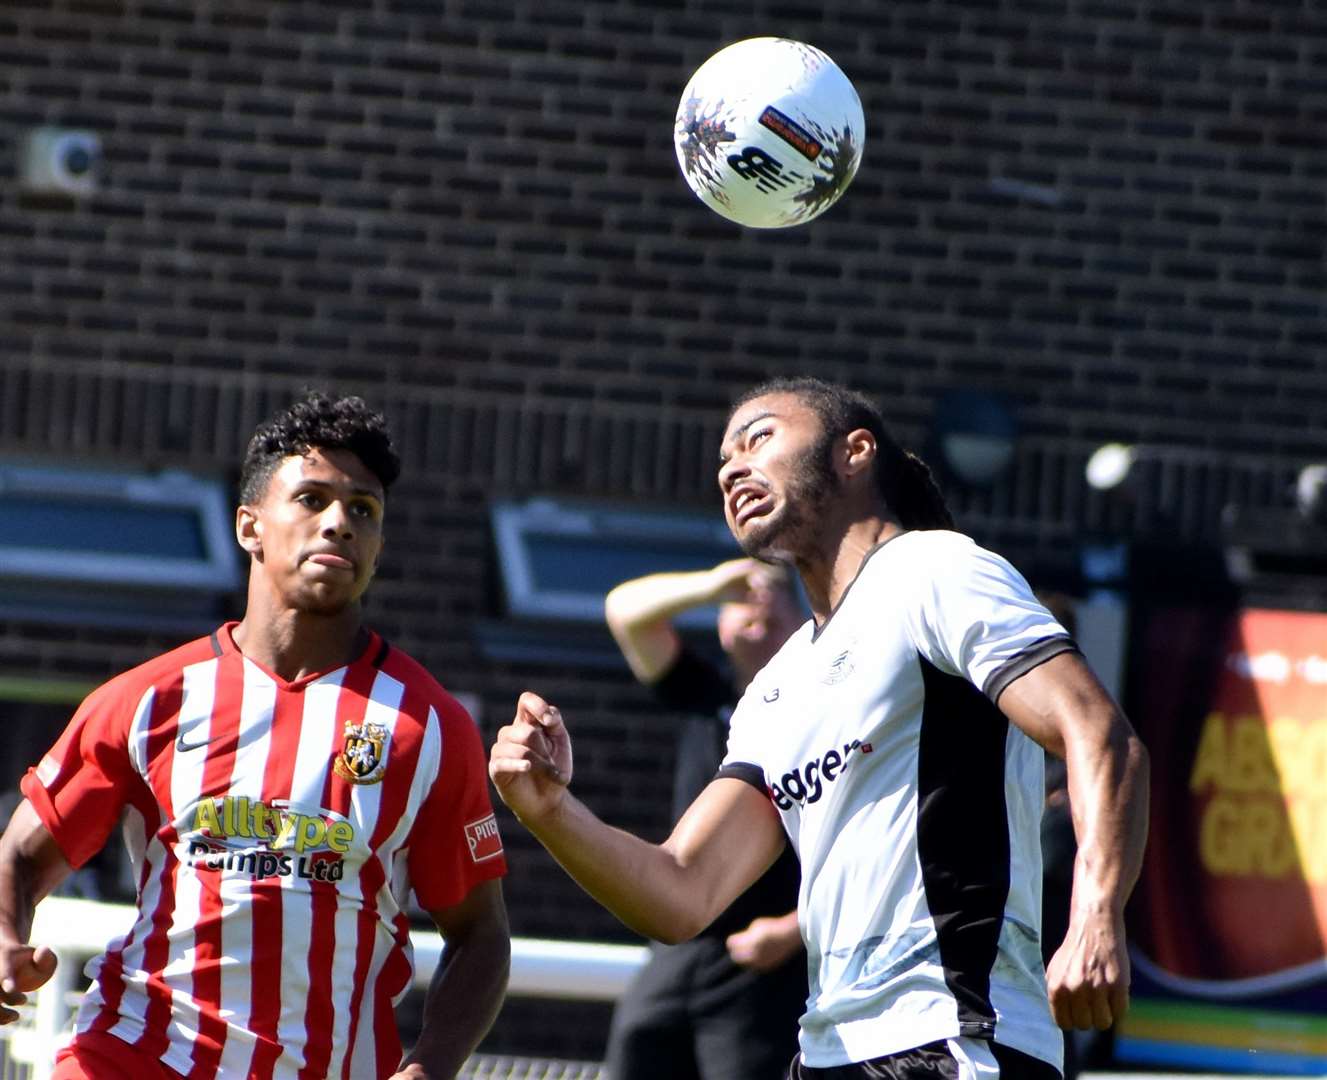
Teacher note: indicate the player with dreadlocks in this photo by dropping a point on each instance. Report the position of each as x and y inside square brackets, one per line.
[896, 741]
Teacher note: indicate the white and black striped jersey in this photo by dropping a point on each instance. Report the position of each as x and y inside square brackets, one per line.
[912, 802]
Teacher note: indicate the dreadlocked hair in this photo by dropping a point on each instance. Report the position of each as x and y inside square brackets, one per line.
[903, 479]
[319, 421]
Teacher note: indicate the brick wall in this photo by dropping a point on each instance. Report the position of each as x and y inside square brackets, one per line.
[1110, 211]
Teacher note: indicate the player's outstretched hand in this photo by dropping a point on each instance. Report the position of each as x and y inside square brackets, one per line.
[23, 969]
[1088, 977]
[530, 763]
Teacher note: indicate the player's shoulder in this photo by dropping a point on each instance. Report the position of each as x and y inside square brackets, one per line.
[913, 556]
[933, 551]
[422, 687]
[157, 673]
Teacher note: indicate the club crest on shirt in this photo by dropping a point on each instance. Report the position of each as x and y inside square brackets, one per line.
[839, 669]
[363, 757]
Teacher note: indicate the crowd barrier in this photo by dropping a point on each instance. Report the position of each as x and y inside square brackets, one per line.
[79, 929]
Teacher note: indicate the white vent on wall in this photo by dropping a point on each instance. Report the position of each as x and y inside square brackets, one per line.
[60, 161]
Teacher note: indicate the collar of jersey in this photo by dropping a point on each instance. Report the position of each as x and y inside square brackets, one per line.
[223, 642]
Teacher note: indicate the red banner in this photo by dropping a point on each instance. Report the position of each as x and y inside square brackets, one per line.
[1235, 715]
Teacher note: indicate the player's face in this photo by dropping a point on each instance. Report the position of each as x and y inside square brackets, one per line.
[776, 477]
[317, 531]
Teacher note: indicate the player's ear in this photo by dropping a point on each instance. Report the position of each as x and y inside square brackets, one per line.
[859, 453]
[249, 530]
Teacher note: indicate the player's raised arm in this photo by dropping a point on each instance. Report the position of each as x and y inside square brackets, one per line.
[1063, 706]
[31, 865]
[669, 891]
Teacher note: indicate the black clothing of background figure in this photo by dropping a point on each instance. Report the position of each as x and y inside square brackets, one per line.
[725, 1005]
[693, 1012]
[698, 688]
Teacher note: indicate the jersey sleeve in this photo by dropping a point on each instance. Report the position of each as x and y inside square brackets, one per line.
[454, 842]
[84, 781]
[744, 757]
[977, 617]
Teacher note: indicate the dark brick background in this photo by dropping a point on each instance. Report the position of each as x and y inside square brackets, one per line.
[1110, 211]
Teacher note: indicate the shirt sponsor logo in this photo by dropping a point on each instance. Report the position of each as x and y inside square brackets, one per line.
[483, 839]
[250, 837]
[806, 783]
[260, 864]
[363, 757]
[279, 826]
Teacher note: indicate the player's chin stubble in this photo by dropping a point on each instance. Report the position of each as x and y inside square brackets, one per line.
[811, 487]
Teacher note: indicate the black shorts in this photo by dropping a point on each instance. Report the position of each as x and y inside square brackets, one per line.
[952, 1059]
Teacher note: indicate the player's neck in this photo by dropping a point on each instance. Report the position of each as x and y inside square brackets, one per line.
[294, 644]
[826, 576]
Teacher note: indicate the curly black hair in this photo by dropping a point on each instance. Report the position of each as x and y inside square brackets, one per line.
[323, 422]
[903, 479]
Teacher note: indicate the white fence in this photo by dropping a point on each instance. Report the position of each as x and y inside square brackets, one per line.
[79, 929]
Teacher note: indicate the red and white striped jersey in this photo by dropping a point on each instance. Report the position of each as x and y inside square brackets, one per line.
[276, 829]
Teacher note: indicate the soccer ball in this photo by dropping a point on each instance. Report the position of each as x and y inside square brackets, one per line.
[769, 132]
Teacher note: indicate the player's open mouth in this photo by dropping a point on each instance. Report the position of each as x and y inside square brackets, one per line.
[748, 502]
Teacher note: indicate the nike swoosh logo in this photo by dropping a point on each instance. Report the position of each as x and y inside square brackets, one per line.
[772, 696]
[184, 747]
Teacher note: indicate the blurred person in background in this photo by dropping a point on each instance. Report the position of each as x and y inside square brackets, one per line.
[723, 1006]
[897, 739]
[276, 779]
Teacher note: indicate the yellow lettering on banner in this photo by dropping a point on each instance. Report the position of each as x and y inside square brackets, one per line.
[1266, 811]
[1265, 837]
[1286, 738]
[1308, 831]
[206, 819]
[1300, 750]
[339, 836]
[1220, 840]
[1251, 768]
[1209, 763]
[1271, 846]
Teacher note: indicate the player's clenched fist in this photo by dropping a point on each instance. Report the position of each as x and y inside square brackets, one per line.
[530, 763]
[22, 970]
[1088, 977]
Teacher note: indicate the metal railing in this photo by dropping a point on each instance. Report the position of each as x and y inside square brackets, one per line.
[80, 929]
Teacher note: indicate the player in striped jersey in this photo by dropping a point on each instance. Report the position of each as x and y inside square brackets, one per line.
[284, 784]
[894, 740]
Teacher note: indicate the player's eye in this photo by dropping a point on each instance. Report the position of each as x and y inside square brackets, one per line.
[758, 434]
